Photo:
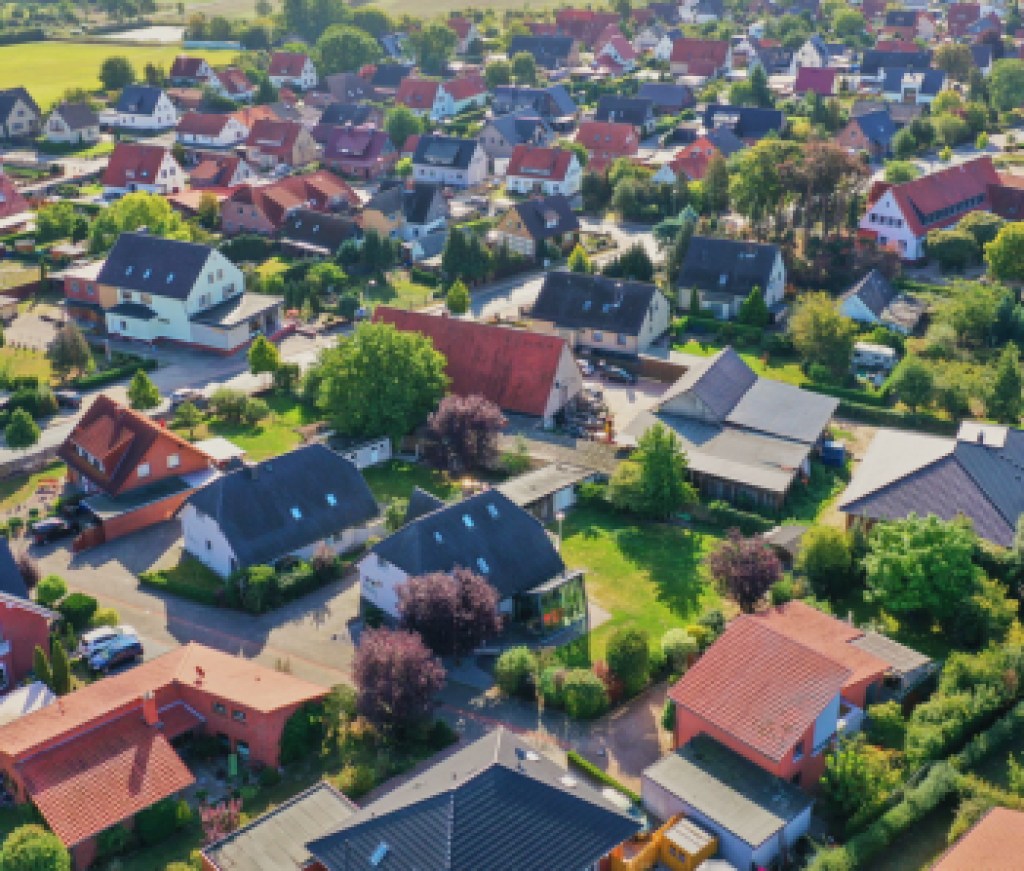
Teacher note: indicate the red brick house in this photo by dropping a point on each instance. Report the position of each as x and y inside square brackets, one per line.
[23, 623]
[264, 208]
[133, 472]
[606, 141]
[103, 753]
[360, 151]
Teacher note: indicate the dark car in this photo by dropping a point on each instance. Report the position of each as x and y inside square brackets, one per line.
[127, 648]
[620, 375]
[51, 529]
[67, 399]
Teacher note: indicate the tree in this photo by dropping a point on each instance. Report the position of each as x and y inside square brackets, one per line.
[1005, 254]
[754, 310]
[433, 45]
[463, 433]
[524, 68]
[453, 612]
[208, 213]
[821, 334]
[955, 60]
[514, 671]
[715, 185]
[69, 351]
[634, 264]
[1004, 397]
[904, 144]
[826, 559]
[746, 567]
[142, 392]
[55, 221]
[60, 668]
[858, 778]
[33, 848]
[759, 91]
[849, 26]
[983, 226]
[629, 654]
[579, 261]
[131, 212]
[264, 356]
[189, 417]
[343, 49]
[887, 725]
[1006, 84]
[457, 298]
[677, 646]
[401, 123]
[51, 590]
[22, 431]
[41, 667]
[497, 73]
[900, 171]
[382, 381]
[947, 101]
[658, 469]
[116, 72]
[913, 382]
[921, 566]
[396, 678]
[985, 618]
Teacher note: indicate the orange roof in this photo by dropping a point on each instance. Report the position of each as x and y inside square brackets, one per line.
[249, 115]
[417, 93]
[103, 777]
[760, 686]
[608, 138]
[995, 843]
[202, 123]
[515, 369]
[538, 162]
[715, 51]
[320, 191]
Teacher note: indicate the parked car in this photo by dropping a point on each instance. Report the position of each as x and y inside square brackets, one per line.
[67, 399]
[93, 641]
[188, 394]
[51, 529]
[620, 375]
[586, 367]
[128, 648]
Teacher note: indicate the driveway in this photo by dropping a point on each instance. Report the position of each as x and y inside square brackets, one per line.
[626, 401]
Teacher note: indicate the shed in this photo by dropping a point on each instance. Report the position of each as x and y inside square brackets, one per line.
[546, 491]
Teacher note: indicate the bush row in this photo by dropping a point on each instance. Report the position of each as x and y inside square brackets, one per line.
[114, 374]
[891, 417]
[728, 516]
[587, 767]
[860, 397]
[170, 584]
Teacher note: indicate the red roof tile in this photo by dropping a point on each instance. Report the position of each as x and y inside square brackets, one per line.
[417, 93]
[608, 138]
[537, 162]
[715, 51]
[460, 26]
[816, 80]
[274, 137]
[287, 63]
[235, 81]
[202, 123]
[994, 843]
[133, 162]
[320, 191]
[760, 686]
[513, 368]
[185, 67]
[465, 87]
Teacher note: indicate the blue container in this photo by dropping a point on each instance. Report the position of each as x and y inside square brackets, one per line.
[833, 453]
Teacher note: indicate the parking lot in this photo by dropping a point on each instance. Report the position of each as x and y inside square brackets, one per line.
[625, 401]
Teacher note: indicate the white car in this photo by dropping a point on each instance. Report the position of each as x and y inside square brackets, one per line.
[95, 640]
[586, 367]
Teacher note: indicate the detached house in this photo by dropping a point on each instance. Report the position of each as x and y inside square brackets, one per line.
[362, 152]
[748, 123]
[280, 143]
[667, 99]
[960, 17]
[815, 80]
[550, 52]
[264, 208]
[292, 69]
[188, 70]
[288, 506]
[134, 166]
[20, 116]
[449, 161]
[874, 301]
[200, 130]
[73, 123]
[530, 228]
[24, 625]
[871, 132]
[465, 31]
[502, 135]
[724, 271]
[314, 234]
[407, 212]
[815, 52]
[436, 99]
[144, 107]
[638, 111]
[874, 63]
[220, 171]
[910, 86]
[543, 170]
[233, 84]
[607, 141]
[552, 103]
[700, 58]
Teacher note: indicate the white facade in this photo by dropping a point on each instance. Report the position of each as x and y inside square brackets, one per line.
[57, 130]
[163, 116]
[910, 91]
[371, 453]
[446, 106]
[568, 186]
[169, 179]
[474, 174]
[234, 132]
[22, 121]
[886, 220]
[807, 55]
[306, 79]
[773, 294]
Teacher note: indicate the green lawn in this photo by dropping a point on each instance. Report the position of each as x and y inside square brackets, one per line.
[396, 480]
[779, 370]
[16, 489]
[919, 847]
[25, 362]
[189, 578]
[650, 576]
[399, 292]
[47, 69]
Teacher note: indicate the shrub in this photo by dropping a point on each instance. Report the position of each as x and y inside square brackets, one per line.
[302, 732]
[113, 841]
[678, 646]
[601, 776]
[105, 617]
[77, 609]
[585, 694]
[725, 515]
[552, 686]
[51, 590]
[355, 780]
[701, 634]
[782, 591]
[441, 735]
[260, 589]
[157, 822]
[668, 716]
[886, 726]
[629, 658]
[269, 777]
[513, 671]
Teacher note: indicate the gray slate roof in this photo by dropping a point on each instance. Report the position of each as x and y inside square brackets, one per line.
[747, 122]
[512, 544]
[729, 266]
[446, 151]
[495, 805]
[139, 99]
[874, 61]
[725, 141]
[421, 502]
[537, 213]
[317, 229]
[719, 384]
[932, 81]
[549, 51]
[637, 111]
[152, 264]
[255, 506]
[521, 126]
[784, 410]
[667, 96]
[573, 300]
[874, 290]
[78, 116]
[877, 126]
[9, 96]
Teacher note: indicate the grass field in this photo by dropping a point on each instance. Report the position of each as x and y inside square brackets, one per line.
[788, 371]
[47, 69]
[25, 363]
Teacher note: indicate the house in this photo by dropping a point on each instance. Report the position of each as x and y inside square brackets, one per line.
[145, 107]
[406, 212]
[908, 86]
[990, 843]
[543, 170]
[552, 103]
[607, 141]
[134, 473]
[637, 111]
[182, 293]
[418, 95]
[20, 116]
[692, 161]
[220, 171]
[594, 313]
[135, 166]
[874, 63]
[667, 99]
[901, 215]
[450, 161]
[904, 473]
[901, 114]
[701, 11]
[550, 52]
[584, 25]
[264, 208]
[874, 301]
[749, 123]
[232, 83]
[189, 70]
[700, 58]
[465, 32]
[465, 92]
[385, 79]
[288, 506]
[746, 437]
[362, 152]
[815, 80]
[314, 234]
[723, 272]
[348, 87]
[616, 54]
[104, 753]
[502, 135]
[960, 17]
[11, 200]
[73, 123]
[292, 69]
[348, 114]
[756, 817]
[813, 53]
[531, 228]
[870, 133]
[24, 625]
[544, 379]
[546, 491]
[280, 143]
[493, 537]
[561, 822]
[201, 130]
[395, 46]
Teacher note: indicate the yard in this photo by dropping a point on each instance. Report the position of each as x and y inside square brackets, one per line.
[396, 480]
[14, 273]
[25, 363]
[787, 370]
[399, 291]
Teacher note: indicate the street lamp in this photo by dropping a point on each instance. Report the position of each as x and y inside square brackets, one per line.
[560, 517]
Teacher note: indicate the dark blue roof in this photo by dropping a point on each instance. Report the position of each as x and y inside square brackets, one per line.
[139, 99]
[152, 264]
[11, 581]
[932, 81]
[747, 122]
[877, 126]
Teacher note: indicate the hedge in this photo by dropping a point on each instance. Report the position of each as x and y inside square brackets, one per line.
[708, 324]
[576, 761]
[891, 417]
[860, 397]
[423, 276]
[728, 516]
[114, 374]
[160, 581]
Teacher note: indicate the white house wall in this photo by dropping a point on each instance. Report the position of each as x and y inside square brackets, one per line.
[379, 581]
[204, 540]
[896, 231]
[569, 381]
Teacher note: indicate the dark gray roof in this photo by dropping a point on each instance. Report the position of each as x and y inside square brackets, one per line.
[9, 96]
[637, 111]
[418, 201]
[521, 126]
[875, 61]
[546, 217]
[139, 99]
[237, 309]
[874, 290]
[729, 266]
[901, 18]
[348, 86]
[318, 229]
[552, 101]
[387, 200]
[78, 116]
[152, 264]
[719, 383]
[548, 51]
[348, 113]
[573, 299]
[496, 805]
[665, 95]
[421, 502]
[277, 840]
[390, 75]
[256, 507]
[725, 141]
[932, 81]
[446, 151]
[784, 410]
[11, 581]
[747, 122]
[510, 542]
[877, 126]
[135, 310]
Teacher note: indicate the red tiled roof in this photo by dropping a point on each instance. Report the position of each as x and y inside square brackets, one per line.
[410, 145]
[186, 98]
[356, 143]
[537, 162]
[12, 202]
[715, 51]
[417, 93]
[817, 80]
[235, 81]
[249, 115]
[185, 67]
[287, 63]
[317, 191]
[513, 368]
[177, 719]
[214, 170]
[608, 138]
[622, 46]
[760, 686]
[202, 123]
[142, 161]
[460, 26]
[103, 777]
[465, 87]
[693, 166]
[274, 137]
[994, 843]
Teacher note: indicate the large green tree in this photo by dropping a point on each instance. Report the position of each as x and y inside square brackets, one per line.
[401, 123]
[382, 381]
[858, 778]
[1006, 84]
[33, 848]
[69, 351]
[955, 60]
[343, 49]
[1004, 397]
[914, 382]
[264, 356]
[133, 211]
[715, 185]
[116, 72]
[433, 45]
[1005, 254]
[143, 394]
[821, 334]
[825, 557]
[653, 481]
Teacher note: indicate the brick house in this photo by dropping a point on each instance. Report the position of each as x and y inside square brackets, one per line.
[362, 152]
[871, 132]
[24, 625]
[279, 143]
[702, 58]
[606, 141]
[264, 208]
[103, 753]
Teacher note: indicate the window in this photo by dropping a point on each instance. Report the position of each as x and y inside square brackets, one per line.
[623, 338]
[798, 751]
[332, 500]
[597, 335]
[238, 716]
[492, 509]
[481, 564]
[173, 461]
[296, 513]
[218, 708]
[143, 470]
[146, 298]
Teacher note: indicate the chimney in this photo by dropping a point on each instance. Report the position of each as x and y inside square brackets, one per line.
[150, 715]
[981, 436]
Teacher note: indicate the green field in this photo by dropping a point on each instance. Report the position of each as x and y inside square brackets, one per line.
[47, 69]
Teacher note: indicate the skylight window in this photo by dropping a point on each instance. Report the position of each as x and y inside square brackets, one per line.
[438, 538]
[332, 500]
[481, 564]
[128, 270]
[147, 273]
[492, 509]
[296, 513]
[466, 519]
[377, 856]
[170, 277]
[587, 304]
